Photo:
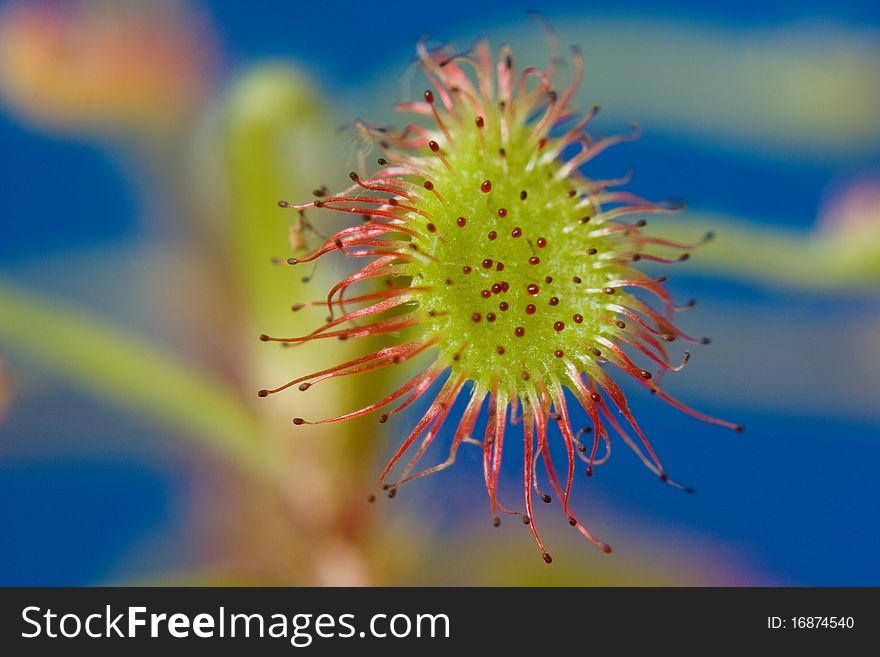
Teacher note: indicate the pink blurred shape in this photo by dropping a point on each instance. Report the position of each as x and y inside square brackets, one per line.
[103, 65]
[853, 209]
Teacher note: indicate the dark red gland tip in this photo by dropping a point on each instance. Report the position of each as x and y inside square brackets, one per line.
[434, 146]
[486, 186]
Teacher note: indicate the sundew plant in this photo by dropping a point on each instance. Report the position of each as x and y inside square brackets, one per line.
[482, 243]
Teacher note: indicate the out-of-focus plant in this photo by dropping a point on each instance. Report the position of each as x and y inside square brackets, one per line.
[266, 121]
[829, 258]
[102, 66]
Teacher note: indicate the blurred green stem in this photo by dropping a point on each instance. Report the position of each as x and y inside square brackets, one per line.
[771, 255]
[274, 124]
[130, 372]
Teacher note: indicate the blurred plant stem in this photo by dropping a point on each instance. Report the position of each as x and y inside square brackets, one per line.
[273, 123]
[276, 142]
[770, 255]
[130, 372]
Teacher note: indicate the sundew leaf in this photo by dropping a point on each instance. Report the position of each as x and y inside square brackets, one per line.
[129, 372]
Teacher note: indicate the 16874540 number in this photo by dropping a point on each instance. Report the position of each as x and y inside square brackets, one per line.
[811, 623]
